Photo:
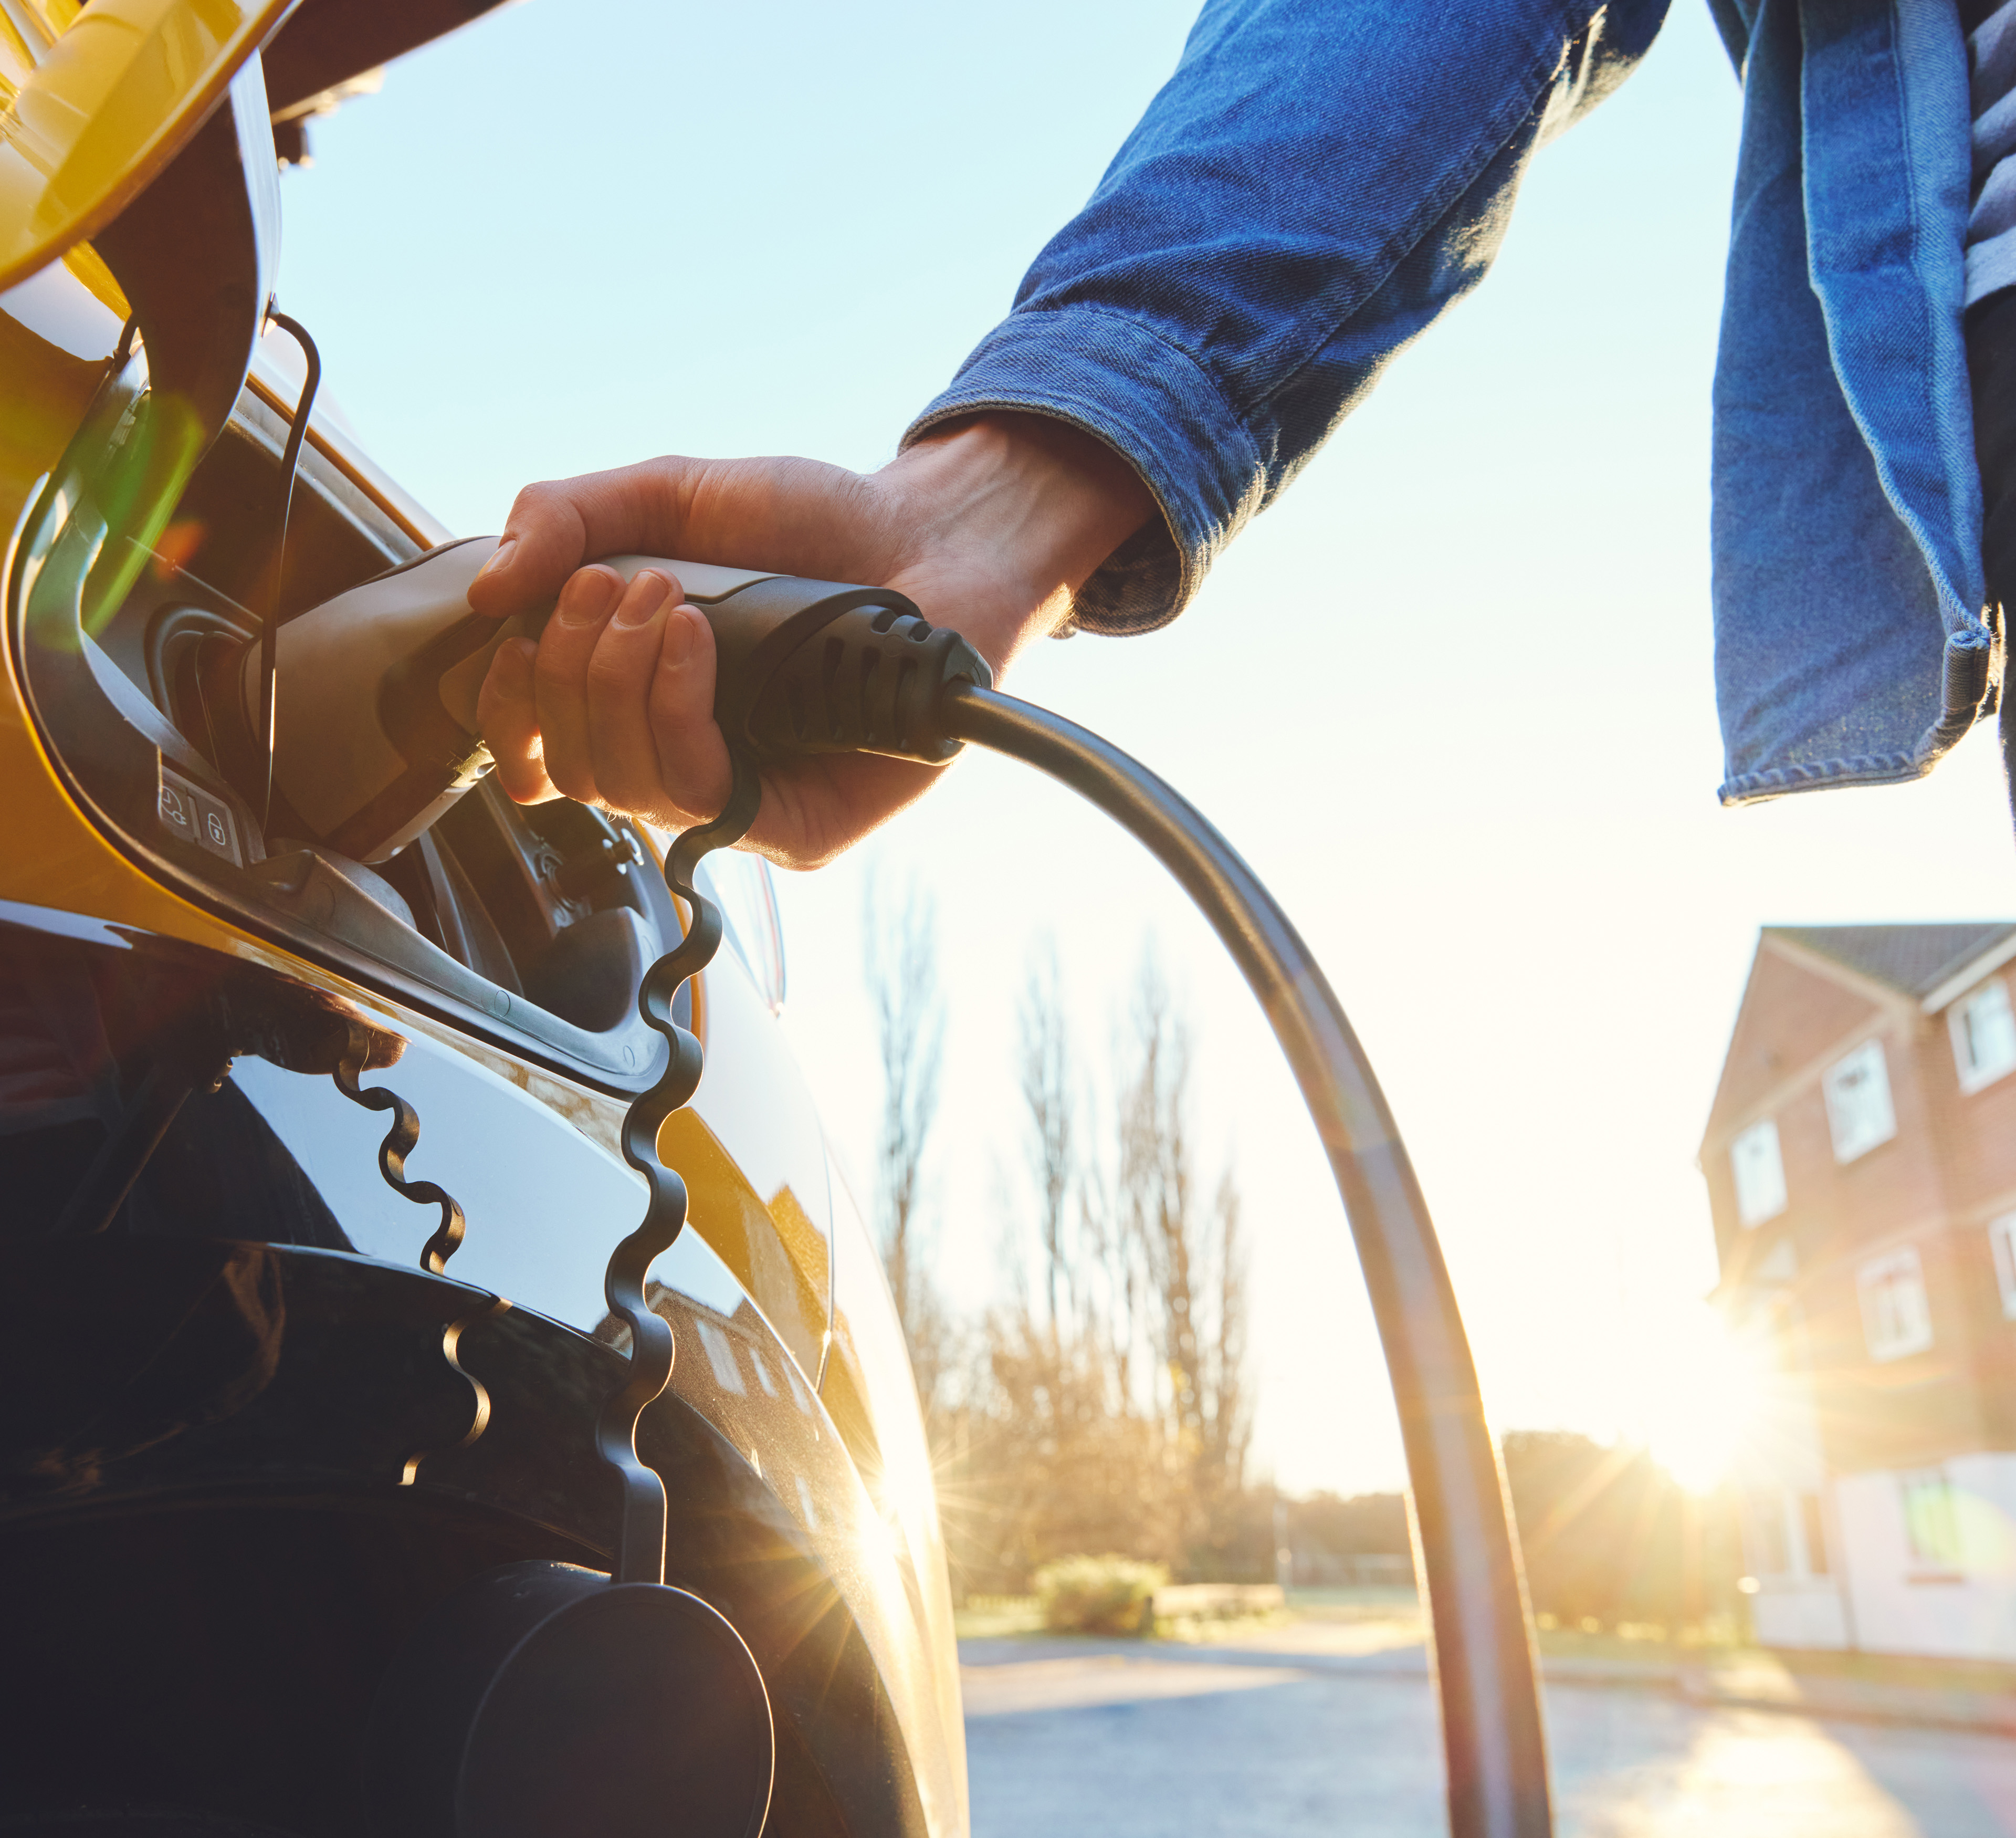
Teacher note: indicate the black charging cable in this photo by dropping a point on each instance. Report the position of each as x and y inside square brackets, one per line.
[1492, 1728]
[807, 668]
[269, 630]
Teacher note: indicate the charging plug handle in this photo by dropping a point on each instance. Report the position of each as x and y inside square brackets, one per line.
[801, 667]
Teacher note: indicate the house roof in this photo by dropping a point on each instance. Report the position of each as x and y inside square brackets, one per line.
[1915, 959]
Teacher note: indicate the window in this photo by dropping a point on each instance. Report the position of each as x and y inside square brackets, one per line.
[1858, 1102]
[1760, 1174]
[1897, 1318]
[1781, 1264]
[1769, 1552]
[1984, 1035]
[721, 1356]
[2002, 1242]
[1813, 1522]
[1931, 1526]
[1787, 1533]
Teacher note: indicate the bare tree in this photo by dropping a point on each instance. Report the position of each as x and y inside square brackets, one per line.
[1109, 1281]
[910, 1026]
[1227, 1420]
[1193, 1258]
[1155, 1191]
[1106, 1405]
[1048, 1096]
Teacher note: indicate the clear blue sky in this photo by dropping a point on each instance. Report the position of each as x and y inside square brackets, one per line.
[586, 231]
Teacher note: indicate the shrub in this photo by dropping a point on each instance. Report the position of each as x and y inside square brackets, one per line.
[1099, 1594]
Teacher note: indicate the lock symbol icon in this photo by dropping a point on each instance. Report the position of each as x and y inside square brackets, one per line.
[214, 824]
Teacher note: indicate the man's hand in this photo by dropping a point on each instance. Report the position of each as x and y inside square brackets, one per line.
[990, 528]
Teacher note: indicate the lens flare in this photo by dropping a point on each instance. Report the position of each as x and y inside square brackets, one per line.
[1707, 1387]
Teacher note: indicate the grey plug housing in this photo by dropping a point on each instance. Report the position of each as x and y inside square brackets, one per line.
[367, 753]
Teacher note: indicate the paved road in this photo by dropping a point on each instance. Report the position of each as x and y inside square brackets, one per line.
[1066, 1739]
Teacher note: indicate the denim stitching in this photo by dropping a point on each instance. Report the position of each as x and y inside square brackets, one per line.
[1148, 329]
[1950, 602]
[1819, 774]
[1955, 463]
[1928, 341]
[1029, 315]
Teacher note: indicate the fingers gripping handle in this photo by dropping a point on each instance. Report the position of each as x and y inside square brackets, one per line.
[388, 739]
[801, 666]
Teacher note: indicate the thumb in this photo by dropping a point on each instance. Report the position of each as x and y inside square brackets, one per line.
[556, 526]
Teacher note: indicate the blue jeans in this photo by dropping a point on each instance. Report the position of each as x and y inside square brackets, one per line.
[1318, 180]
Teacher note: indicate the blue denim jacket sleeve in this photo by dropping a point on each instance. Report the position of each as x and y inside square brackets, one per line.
[1316, 181]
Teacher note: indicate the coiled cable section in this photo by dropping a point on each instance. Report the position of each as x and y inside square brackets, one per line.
[400, 1140]
[640, 1549]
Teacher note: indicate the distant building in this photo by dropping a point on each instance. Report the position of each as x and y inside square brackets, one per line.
[1861, 1165]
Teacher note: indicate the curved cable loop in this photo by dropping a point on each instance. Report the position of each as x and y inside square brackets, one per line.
[399, 1143]
[640, 1547]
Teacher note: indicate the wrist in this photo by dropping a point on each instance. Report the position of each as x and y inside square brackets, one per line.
[1033, 504]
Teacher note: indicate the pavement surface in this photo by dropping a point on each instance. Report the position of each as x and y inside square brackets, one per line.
[1330, 1728]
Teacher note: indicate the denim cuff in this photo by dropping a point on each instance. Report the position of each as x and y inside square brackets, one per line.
[1155, 407]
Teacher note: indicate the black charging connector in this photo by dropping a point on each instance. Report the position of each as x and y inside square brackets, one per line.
[808, 668]
[872, 676]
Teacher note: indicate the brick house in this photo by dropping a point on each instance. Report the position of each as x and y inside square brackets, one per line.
[1861, 1165]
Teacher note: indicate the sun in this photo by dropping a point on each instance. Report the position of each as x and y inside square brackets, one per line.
[1703, 1388]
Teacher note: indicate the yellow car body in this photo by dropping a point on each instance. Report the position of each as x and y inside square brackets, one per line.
[179, 1585]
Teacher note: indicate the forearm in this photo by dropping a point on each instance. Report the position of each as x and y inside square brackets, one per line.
[1040, 503]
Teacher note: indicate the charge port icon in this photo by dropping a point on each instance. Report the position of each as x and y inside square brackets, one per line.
[175, 813]
[195, 816]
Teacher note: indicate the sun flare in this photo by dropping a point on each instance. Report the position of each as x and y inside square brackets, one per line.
[1705, 1390]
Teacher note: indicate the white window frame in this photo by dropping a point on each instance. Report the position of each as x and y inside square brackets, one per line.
[1932, 1540]
[2002, 1243]
[1891, 1333]
[1992, 995]
[1755, 1203]
[1809, 1527]
[1855, 1135]
[1773, 1533]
